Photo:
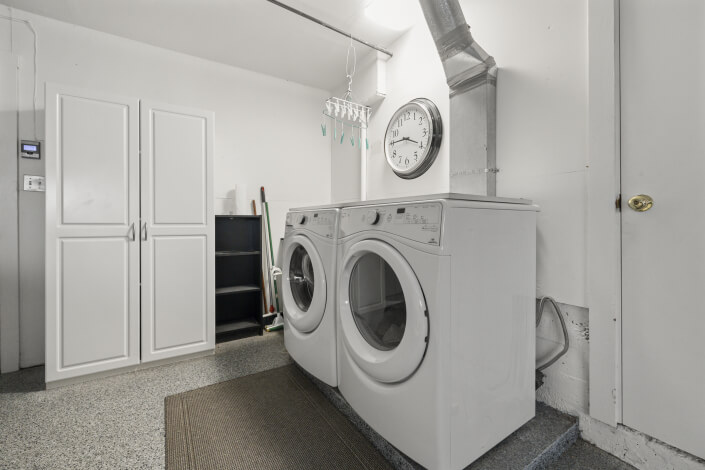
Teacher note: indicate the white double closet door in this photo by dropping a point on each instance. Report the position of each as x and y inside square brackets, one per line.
[130, 239]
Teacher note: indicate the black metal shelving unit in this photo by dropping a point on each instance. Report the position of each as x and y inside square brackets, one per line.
[238, 274]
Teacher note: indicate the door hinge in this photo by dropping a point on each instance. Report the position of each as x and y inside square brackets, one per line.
[618, 203]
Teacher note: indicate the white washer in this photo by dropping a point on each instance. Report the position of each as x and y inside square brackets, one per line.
[308, 291]
[436, 333]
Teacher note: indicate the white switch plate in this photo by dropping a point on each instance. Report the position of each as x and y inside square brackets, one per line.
[34, 183]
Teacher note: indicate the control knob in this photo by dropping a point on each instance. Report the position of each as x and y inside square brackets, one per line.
[372, 217]
[300, 219]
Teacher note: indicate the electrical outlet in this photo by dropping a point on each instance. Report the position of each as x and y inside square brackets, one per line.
[34, 183]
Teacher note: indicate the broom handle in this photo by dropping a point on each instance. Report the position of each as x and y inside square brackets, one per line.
[261, 274]
[271, 249]
[266, 257]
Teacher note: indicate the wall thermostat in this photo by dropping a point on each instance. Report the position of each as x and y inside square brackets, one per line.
[29, 149]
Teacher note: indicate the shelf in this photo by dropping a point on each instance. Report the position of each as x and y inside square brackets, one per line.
[236, 326]
[236, 253]
[236, 289]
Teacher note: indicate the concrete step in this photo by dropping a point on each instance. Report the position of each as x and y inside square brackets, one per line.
[537, 445]
[585, 456]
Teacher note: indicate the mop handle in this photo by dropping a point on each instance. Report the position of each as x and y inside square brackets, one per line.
[266, 259]
[264, 294]
[271, 248]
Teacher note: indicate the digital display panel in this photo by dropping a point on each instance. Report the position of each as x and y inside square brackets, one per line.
[29, 148]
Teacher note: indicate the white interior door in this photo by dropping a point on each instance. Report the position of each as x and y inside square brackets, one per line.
[177, 231]
[92, 216]
[663, 265]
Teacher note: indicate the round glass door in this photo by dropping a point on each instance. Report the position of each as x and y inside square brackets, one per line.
[383, 314]
[377, 302]
[301, 278]
[304, 284]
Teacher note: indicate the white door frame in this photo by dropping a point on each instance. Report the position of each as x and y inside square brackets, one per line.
[604, 220]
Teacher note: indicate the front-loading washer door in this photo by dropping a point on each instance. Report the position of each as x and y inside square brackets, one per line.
[383, 313]
[304, 290]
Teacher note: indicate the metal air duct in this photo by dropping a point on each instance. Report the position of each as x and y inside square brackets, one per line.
[471, 74]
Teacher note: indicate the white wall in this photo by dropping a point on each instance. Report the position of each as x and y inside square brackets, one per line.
[267, 129]
[541, 50]
[415, 71]
[565, 384]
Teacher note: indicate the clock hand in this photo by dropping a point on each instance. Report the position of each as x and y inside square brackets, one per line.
[403, 139]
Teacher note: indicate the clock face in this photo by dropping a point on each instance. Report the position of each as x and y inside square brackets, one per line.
[413, 138]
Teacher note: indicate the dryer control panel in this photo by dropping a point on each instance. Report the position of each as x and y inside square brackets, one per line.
[320, 222]
[416, 221]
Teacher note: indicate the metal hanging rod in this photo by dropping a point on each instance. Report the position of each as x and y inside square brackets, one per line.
[331, 27]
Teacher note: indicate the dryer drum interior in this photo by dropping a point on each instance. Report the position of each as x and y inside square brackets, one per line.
[377, 302]
[302, 278]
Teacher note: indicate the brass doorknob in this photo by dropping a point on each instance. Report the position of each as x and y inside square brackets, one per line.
[641, 203]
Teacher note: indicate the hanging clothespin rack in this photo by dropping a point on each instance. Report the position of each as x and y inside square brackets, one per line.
[344, 112]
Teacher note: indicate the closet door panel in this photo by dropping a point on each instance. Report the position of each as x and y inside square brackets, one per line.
[94, 303]
[180, 289]
[178, 282]
[179, 168]
[95, 162]
[92, 220]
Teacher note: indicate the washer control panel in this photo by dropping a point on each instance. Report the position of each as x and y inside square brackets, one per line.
[320, 222]
[416, 221]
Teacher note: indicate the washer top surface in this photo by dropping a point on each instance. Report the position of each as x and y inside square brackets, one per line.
[422, 197]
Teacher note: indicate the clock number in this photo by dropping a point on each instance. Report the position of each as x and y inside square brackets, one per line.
[406, 162]
[400, 122]
[408, 116]
[420, 120]
[416, 155]
[394, 154]
[421, 146]
[395, 133]
[425, 132]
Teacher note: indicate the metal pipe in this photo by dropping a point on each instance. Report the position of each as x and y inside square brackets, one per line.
[329, 26]
[471, 75]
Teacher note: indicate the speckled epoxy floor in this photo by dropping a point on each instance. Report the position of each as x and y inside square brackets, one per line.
[584, 456]
[115, 422]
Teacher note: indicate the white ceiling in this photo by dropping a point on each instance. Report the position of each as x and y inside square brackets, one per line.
[252, 34]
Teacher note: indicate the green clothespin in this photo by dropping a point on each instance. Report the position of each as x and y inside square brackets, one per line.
[342, 136]
[367, 145]
[323, 129]
[352, 141]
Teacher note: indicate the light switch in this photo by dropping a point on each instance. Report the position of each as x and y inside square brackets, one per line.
[34, 183]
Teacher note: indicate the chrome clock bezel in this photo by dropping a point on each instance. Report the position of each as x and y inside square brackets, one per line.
[429, 108]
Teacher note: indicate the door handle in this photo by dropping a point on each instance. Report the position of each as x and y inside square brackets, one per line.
[131, 231]
[144, 232]
[641, 203]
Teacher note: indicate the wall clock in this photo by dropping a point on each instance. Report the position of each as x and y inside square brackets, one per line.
[413, 138]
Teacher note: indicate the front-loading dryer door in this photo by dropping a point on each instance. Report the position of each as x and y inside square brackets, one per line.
[383, 313]
[304, 290]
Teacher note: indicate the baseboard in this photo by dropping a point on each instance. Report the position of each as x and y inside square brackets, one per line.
[637, 449]
[110, 373]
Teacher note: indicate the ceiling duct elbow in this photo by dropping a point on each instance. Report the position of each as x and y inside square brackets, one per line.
[471, 75]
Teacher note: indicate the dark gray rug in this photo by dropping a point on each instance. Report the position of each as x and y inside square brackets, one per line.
[271, 420]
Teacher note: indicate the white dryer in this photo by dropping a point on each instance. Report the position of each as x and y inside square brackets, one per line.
[308, 291]
[436, 325]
